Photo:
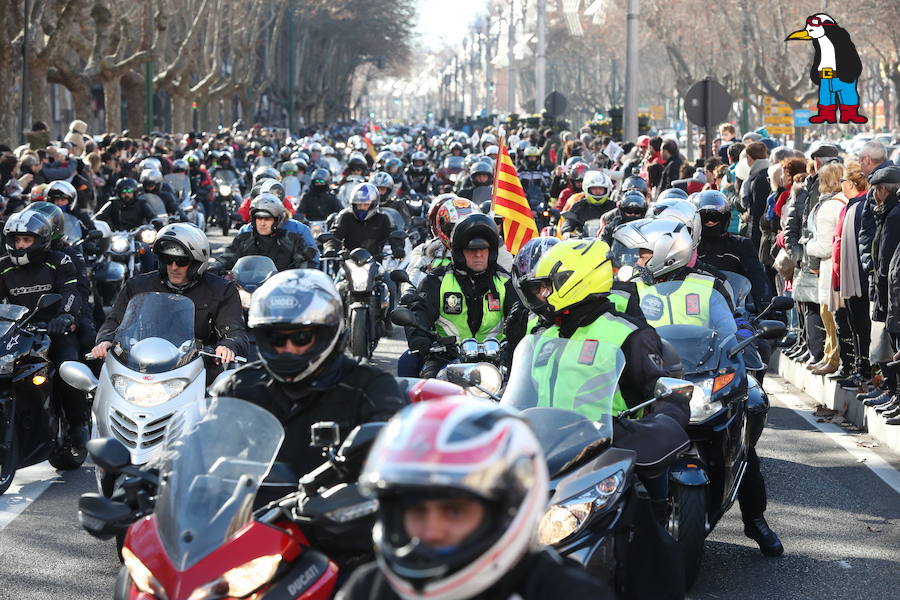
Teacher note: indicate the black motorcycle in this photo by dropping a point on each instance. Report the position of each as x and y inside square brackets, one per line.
[227, 200]
[33, 426]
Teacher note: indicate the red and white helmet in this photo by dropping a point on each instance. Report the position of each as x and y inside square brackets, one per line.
[450, 448]
[451, 212]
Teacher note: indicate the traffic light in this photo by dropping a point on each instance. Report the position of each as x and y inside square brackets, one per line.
[491, 86]
[371, 115]
[194, 105]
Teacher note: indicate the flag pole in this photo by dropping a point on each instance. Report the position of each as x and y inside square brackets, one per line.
[496, 173]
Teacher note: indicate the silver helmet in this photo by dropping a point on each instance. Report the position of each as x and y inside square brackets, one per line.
[267, 204]
[669, 240]
[682, 211]
[182, 239]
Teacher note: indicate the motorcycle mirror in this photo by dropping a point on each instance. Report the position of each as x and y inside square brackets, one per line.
[360, 439]
[94, 235]
[325, 434]
[398, 235]
[325, 237]
[109, 454]
[101, 517]
[782, 303]
[399, 276]
[670, 387]
[48, 301]
[403, 317]
[570, 216]
[78, 375]
[157, 223]
[771, 330]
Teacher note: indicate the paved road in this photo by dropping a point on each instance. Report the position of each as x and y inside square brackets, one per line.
[840, 523]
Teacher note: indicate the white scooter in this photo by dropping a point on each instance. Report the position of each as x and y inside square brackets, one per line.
[153, 371]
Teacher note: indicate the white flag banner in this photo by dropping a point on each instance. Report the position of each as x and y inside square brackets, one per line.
[613, 151]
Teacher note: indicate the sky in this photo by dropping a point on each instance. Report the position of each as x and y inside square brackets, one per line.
[447, 19]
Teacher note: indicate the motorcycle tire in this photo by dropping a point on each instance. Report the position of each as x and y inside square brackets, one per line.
[9, 463]
[687, 524]
[359, 334]
[67, 458]
[122, 589]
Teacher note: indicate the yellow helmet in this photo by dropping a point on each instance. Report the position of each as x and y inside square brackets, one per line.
[569, 273]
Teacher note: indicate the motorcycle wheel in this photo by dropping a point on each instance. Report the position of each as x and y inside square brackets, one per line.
[9, 462]
[359, 334]
[687, 524]
[67, 458]
[122, 589]
[223, 219]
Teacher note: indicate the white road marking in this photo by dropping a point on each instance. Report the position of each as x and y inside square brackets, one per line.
[27, 486]
[781, 390]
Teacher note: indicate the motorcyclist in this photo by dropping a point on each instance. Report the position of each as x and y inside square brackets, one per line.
[445, 212]
[183, 253]
[63, 195]
[468, 299]
[481, 176]
[574, 177]
[632, 205]
[225, 168]
[386, 197]
[30, 269]
[267, 237]
[318, 203]
[303, 377]
[666, 248]
[452, 526]
[535, 178]
[126, 210]
[593, 204]
[356, 165]
[266, 157]
[418, 173]
[364, 226]
[151, 183]
[201, 184]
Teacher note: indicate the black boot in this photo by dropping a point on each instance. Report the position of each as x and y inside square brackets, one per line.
[758, 531]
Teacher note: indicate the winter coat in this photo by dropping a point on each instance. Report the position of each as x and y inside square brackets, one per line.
[887, 238]
[755, 199]
[825, 219]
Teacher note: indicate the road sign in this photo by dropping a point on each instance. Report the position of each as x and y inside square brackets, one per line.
[780, 130]
[678, 125]
[707, 103]
[801, 117]
[657, 112]
[555, 104]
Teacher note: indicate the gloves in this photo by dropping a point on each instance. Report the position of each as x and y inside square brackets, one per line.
[60, 324]
[745, 330]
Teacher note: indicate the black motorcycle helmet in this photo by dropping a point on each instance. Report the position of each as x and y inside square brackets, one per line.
[126, 190]
[475, 231]
[481, 174]
[714, 210]
[27, 223]
[265, 173]
[524, 265]
[320, 178]
[305, 303]
[632, 205]
[635, 183]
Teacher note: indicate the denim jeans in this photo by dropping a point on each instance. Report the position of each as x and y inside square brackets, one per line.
[834, 91]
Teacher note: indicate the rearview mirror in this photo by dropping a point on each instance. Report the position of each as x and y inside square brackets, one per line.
[78, 375]
[669, 387]
[360, 439]
[782, 303]
[109, 454]
[48, 301]
[94, 235]
[398, 235]
[101, 517]
[771, 330]
[399, 276]
[403, 317]
[571, 216]
[325, 237]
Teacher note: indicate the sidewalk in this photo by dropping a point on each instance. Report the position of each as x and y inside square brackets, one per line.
[827, 393]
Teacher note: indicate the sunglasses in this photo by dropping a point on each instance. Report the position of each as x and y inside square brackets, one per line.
[712, 215]
[300, 337]
[816, 22]
[633, 213]
[181, 261]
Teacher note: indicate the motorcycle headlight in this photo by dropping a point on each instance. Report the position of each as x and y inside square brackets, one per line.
[359, 279]
[148, 236]
[245, 298]
[316, 230]
[414, 203]
[7, 364]
[487, 376]
[353, 512]
[119, 243]
[225, 190]
[240, 581]
[562, 520]
[142, 576]
[145, 394]
[702, 404]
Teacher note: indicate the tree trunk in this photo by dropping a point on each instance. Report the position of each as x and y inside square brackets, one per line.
[81, 102]
[112, 100]
[181, 114]
[9, 118]
[133, 89]
[39, 92]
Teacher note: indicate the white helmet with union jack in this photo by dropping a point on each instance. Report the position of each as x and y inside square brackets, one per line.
[451, 448]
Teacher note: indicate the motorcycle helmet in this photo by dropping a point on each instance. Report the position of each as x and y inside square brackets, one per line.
[450, 213]
[382, 180]
[713, 208]
[284, 153]
[632, 205]
[58, 191]
[672, 193]
[126, 190]
[492, 151]
[475, 231]
[433, 210]
[571, 272]
[225, 159]
[669, 240]
[418, 161]
[393, 166]
[456, 149]
[488, 139]
[320, 178]
[265, 173]
[270, 186]
[364, 201]
[181, 240]
[297, 299]
[525, 263]
[482, 174]
[268, 205]
[54, 214]
[382, 157]
[315, 147]
[532, 156]
[267, 151]
[149, 163]
[27, 223]
[192, 160]
[596, 186]
[357, 161]
[180, 166]
[576, 174]
[681, 211]
[448, 448]
[327, 151]
[301, 164]
[635, 183]
[151, 180]
[287, 169]
[572, 161]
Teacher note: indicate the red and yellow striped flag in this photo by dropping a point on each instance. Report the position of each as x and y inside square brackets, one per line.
[508, 201]
[369, 146]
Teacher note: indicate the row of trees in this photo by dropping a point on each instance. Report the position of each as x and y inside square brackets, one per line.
[218, 54]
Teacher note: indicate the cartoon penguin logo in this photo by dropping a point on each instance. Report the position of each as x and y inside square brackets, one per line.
[835, 69]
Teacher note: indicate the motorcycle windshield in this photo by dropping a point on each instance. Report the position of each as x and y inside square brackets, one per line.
[72, 231]
[156, 333]
[157, 206]
[592, 227]
[396, 218]
[9, 314]
[577, 378]
[696, 346]
[250, 272]
[225, 177]
[740, 289]
[209, 480]
[454, 162]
